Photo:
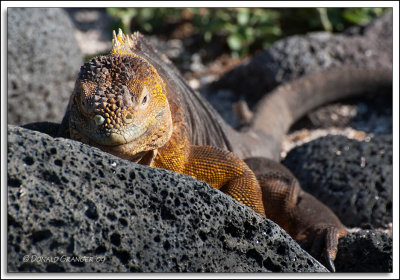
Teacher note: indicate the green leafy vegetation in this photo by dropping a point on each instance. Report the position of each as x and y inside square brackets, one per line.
[243, 30]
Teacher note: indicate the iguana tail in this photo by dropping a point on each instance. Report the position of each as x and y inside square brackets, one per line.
[278, 110]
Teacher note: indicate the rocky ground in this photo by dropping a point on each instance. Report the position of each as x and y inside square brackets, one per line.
[106, 208]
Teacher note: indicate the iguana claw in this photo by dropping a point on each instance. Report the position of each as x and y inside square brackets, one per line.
[328, 262]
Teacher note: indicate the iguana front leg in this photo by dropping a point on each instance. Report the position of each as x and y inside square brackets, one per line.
[219, 168]
[306, 219]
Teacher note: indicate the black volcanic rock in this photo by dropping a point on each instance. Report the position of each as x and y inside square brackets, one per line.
[365, 251]
[74, 208]
[43, 62]
[355, 179]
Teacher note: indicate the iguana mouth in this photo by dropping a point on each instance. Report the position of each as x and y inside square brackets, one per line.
[115, 137]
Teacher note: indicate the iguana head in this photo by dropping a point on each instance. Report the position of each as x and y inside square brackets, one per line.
[119, 103]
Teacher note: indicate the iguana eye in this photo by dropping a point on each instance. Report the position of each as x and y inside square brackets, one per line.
[145, 99]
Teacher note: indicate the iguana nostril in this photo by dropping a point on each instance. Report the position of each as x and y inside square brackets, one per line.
[128, 118]
[99, 120]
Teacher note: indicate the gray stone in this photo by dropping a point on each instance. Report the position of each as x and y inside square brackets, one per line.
[67, 199]
[365, 251]
[93, 29]
[43, 62]
[355, 179]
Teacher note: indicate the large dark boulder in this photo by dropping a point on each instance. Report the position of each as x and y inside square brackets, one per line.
[69, 200]
[43, 62]
[354, 178]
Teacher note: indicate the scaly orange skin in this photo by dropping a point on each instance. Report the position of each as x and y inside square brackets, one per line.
[121, 105]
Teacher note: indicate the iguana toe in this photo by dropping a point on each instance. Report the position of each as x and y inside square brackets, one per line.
[329, 262]
[324, 245]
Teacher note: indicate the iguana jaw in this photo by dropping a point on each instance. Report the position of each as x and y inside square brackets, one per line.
[132, 143]
[115, 137]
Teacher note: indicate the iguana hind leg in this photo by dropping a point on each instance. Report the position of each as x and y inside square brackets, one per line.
[305, 218]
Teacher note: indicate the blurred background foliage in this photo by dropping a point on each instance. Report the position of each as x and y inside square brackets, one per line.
[242, 31]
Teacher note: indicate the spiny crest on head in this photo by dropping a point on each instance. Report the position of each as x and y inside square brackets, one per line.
[122, 44]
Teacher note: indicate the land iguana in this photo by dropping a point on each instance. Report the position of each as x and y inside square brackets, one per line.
[133, 103]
